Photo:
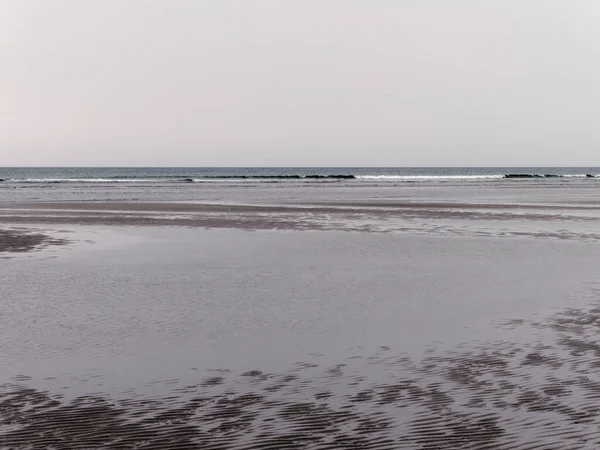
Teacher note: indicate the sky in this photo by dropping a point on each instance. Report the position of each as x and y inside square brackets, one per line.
[299, 83]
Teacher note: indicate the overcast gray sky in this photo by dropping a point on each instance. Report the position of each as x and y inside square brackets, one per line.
[299, 83]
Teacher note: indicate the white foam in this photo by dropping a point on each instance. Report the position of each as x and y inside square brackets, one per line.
[83, 180]
[427, 177]
[581, 175]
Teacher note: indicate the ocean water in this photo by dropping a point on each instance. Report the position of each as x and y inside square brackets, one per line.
[273, 185]
[282, 174]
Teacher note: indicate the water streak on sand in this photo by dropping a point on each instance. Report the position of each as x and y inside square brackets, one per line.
[548, 221]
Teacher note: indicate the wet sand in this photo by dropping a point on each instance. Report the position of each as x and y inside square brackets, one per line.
[541, 394]
[25, 240]
[450, 218]
[411, 339]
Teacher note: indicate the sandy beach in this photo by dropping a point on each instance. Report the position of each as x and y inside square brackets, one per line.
[349, 324]
[547, 219]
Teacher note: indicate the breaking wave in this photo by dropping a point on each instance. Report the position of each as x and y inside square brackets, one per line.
[272, 178]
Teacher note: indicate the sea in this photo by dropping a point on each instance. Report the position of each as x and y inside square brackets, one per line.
[187, 183]
[37, 175]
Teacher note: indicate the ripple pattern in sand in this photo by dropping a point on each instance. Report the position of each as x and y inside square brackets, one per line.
[542, 394]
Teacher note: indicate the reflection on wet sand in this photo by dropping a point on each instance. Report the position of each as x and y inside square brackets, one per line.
[220, 289]
[542, 393]
[576, 222]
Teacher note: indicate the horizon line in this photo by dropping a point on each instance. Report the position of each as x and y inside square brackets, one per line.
[301, 167]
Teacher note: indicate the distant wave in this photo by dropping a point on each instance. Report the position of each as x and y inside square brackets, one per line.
[426, 177]
[196, 178]
[547, 175]
[279, 177]
[184, 179]
[469, 177]
[79, 180]
[233, 177]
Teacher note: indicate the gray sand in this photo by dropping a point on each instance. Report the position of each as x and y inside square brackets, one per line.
[186, 338]
[542, 394]
[445, 325]
[573, 222]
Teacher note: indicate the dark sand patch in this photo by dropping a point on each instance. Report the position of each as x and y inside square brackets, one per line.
[20, 241]
[443, 219]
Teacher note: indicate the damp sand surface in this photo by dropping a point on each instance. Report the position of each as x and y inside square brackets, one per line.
[23, 240]
[147, 337]
[545, 218]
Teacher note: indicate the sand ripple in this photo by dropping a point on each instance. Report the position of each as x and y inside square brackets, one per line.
[542, 394]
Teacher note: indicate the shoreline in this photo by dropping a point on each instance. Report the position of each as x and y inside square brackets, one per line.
[289, 206]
